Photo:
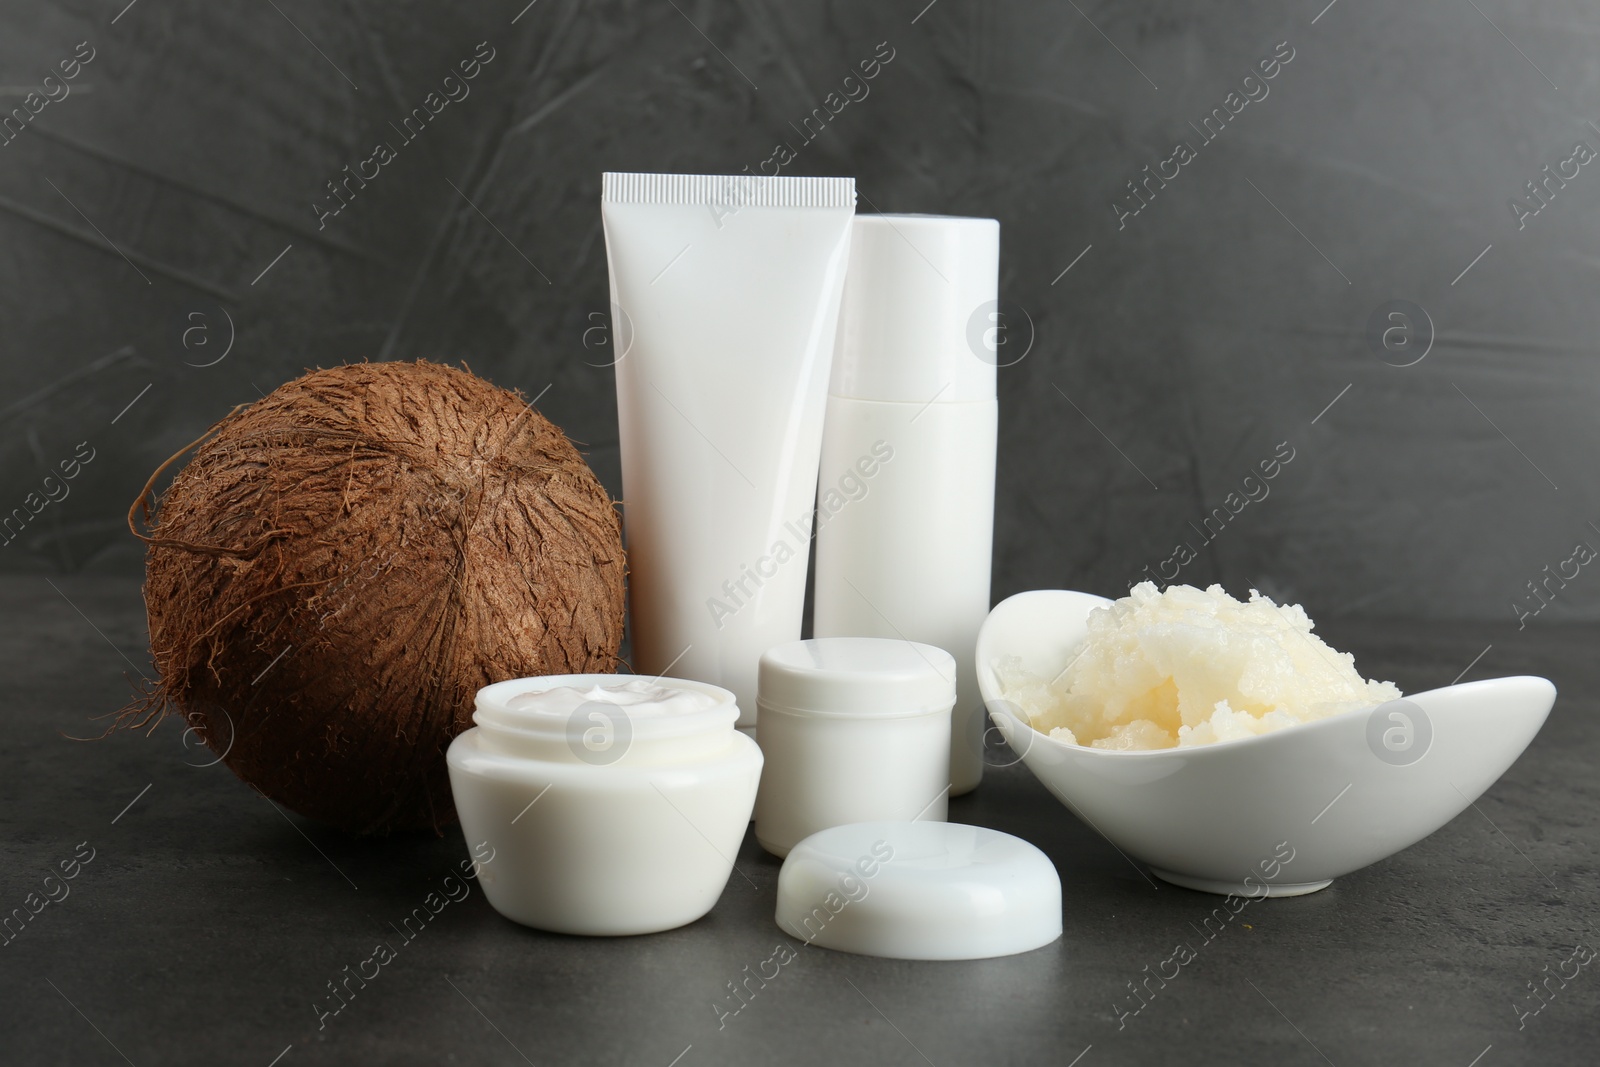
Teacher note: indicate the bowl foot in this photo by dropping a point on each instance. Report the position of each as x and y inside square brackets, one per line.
[1239, 889]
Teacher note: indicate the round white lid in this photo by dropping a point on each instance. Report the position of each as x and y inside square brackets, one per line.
[859, 677]
[919, 891]
[918, 319]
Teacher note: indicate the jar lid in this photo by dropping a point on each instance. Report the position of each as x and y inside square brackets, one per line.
[919, 891]
[857, 677]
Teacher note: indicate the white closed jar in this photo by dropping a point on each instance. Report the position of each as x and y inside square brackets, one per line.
[854, 729]
[613, 804]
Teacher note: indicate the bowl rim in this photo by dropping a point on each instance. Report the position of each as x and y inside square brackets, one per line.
[1237, 743]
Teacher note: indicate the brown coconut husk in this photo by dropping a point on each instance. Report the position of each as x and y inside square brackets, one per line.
[341, 566]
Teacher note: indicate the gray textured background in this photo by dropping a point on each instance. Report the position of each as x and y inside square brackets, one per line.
[1173, 356]
[178, 179]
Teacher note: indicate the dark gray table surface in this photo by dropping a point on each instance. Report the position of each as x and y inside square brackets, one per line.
[208, 924]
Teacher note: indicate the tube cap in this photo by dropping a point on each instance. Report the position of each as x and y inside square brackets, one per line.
[919, 891]
[920, 310]
[859, 677]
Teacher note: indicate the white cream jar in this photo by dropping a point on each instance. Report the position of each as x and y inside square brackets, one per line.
[615, 805]
[854, 729]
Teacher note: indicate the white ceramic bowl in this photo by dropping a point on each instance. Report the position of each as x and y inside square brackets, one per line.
[1334, 795]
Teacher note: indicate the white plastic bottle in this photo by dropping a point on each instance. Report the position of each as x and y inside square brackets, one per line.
[905, 494]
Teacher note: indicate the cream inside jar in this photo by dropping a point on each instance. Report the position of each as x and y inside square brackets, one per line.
[638, 696]
[604, 719]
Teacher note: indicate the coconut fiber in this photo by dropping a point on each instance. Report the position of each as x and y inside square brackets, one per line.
[341, 565]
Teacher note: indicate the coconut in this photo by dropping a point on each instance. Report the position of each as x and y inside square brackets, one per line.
[342, 565]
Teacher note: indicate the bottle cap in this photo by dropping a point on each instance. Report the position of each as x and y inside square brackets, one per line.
[919, 891]
[920, 318]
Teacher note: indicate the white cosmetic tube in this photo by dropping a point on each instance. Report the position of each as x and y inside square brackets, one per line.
[726, 294]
